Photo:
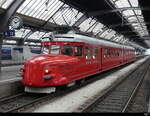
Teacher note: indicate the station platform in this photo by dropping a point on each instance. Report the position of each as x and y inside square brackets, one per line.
[6, 63]
[10, 81]
[10, 72]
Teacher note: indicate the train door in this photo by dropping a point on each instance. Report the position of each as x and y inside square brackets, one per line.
[79, 53]
[106, 59]
[96, 57]
[125, 56]
[88, 58]
[124, 52]
[100, 58]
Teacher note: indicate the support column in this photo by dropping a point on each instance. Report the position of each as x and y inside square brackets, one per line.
[1, 43]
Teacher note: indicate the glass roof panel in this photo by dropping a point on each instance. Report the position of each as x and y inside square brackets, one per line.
[57, 12]
[136, 15]
[5, 3]
[97, 28]
[87, 24]
[41, 9]
[38, 35]
[66, 16]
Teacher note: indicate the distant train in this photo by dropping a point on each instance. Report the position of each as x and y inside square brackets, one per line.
[6, 53]
[11, 52]
[70, 58]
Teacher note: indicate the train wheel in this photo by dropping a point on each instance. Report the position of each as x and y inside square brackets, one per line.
[80, 81]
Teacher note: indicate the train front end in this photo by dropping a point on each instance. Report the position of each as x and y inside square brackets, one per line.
[41, 74]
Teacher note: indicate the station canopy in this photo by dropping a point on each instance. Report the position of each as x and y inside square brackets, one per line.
[121, 21]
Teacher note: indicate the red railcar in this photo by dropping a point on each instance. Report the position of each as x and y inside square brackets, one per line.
[72, 57]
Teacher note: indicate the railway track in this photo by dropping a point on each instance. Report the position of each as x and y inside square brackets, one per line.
[141, 98]
[123, 97]
[19, 101]
[25, 101]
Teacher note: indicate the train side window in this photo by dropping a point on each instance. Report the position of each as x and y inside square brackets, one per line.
[88, 52]
[78, 50]
[124, 52]
[114, 53]
[109, 52]
[127, 53]
[95, 52]
[117, 52]
[105, 53]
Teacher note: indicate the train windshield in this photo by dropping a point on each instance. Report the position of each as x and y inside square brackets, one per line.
[67, 50]
[55, 49]
[45, 49]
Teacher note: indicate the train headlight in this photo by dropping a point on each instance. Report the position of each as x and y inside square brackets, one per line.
[46, 71]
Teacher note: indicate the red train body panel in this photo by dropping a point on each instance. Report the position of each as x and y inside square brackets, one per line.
[66, 61]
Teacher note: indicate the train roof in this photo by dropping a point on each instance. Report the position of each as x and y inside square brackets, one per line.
[91, 40]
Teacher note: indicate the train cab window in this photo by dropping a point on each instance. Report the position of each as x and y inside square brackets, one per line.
[45, 49]
[78, 50]
[95, 53]
[88, 52]
[67, 50]
[55, 49]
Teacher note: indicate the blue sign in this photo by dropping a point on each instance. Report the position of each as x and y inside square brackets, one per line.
[9, 33]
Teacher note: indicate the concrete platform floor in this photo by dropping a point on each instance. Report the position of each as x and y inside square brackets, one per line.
[11, 63]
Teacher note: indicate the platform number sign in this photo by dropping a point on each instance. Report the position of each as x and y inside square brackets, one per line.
[9, 33]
